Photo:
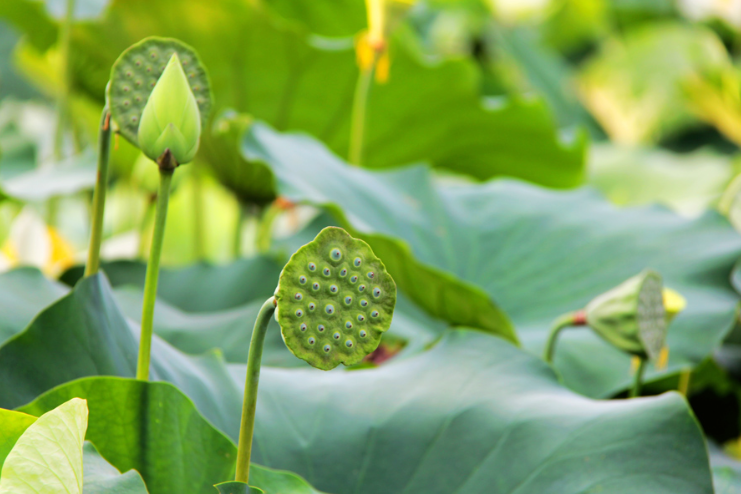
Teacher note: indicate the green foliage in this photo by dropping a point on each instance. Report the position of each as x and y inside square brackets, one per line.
[334, 300]
[459, 235]
[47, 457]
[100, 477]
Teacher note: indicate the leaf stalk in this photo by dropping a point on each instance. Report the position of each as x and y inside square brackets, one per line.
[101, 184]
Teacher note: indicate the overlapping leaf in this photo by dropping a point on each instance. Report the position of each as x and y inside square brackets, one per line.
[537, 253]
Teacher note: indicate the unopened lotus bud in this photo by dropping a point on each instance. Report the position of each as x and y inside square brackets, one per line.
[171, 119]
[674, 303]
[631, 316]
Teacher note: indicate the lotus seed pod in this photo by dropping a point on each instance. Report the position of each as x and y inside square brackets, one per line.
[631, 316]
[323, 318]
[137, 72]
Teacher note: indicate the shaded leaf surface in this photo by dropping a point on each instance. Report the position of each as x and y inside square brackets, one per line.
[537, 253]
[100, 477]
[453, 418]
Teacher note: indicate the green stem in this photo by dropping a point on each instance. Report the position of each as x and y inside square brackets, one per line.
[198, 224]
[65, 37]
[264, 235]
[636, 389]
[357, 122]
[153, 268]
[564, 321]
[247, 426]
[96, 231]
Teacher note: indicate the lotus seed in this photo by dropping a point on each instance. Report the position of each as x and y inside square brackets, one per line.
[302, 279]
[312, 266]
[298, 296]
[333, 288]
[361, 318]
[348, 325]
[343, 272]
[336, 336]
[357, 262]
[363, 303]
[311, 340]
[348, 300]
[329, 308]
[353, 279]
[327, 348]
[362, 333]
[299, 312]
[327, 272]
[376, 292]
[303, 327]
[336, 254]
[320, 328]
[348, 343]
[361, 288]
[312, 306]
[374, 313]
[371, 274]
[315, 286]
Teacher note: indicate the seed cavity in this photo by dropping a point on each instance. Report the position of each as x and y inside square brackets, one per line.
[348, 343]
[362, 333]
[312, 266]
[333, 288]
[311, 340]
[364, 303]
[320, 328]
[361, 288]
[335, 254]
[348, 324]
[376, 292]
[371, 274]
[302, 279]
[312, 306]
[303, 327]
[357, 262]
[353, 279]
[329, 309]
[298, 296]
[343, 272]
[374, 313]
[348, 300]
[361, 318]
[299, 312]
[315, 286]
[327, 348]
[326, 272]
[336, 336]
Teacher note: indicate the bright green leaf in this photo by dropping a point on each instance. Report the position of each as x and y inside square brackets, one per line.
[14, 424]
[47, 458]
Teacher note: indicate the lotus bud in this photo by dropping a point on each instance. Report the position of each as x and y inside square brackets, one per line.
[674, 303]
[171, 120]
[632, 316]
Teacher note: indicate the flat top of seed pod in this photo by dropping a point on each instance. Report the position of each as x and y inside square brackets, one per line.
[651, 314]
[137, 70]
[335, 300]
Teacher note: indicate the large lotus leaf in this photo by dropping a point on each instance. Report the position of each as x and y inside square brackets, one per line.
[14, 424]
[85, 334]
[100, 477]
[24, 292]
[278, 72]
[165, 438]
[475, 415]
[47, 457]
[536, 252]
[65, 178]
[201, 287]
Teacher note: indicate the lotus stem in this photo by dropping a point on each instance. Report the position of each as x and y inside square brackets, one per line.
[247, 427]
[153, 268]
[359, 106]
[684, 382]
[637, 384]
[96, 231]
[241, 215]
[198, 224]
[65, 37]
[264, 234]
[563, 322]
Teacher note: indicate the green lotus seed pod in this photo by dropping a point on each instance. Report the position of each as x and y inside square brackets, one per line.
[334, 300]
[137, 72]
[631, 316]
